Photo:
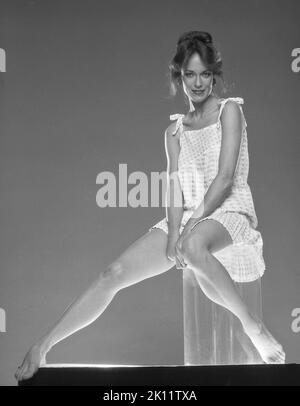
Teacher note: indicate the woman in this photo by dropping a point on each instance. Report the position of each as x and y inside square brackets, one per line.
[209, 208]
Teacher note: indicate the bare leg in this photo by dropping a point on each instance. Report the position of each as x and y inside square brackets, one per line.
[206, 238]
[209, 290]
[145, 258]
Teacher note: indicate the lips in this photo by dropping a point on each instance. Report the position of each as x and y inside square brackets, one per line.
[198, 91]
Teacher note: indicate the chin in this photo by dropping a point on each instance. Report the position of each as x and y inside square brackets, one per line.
[197, 98]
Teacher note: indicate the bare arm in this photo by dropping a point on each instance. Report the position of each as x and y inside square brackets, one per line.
[174, 198]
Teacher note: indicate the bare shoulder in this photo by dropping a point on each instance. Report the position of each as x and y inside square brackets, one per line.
[232, 104]
[231, 112]
[169, 133]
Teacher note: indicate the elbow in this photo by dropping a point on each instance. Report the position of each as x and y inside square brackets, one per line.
[227, 181]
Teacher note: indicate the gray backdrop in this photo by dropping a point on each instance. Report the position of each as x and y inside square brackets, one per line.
[85, 90]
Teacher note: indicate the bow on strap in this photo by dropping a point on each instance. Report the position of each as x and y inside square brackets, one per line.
[179, 118]
[239, 100]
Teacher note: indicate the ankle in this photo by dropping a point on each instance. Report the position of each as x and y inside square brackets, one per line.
[43, 347]
[252, 324]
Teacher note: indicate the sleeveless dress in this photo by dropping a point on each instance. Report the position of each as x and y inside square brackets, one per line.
[197, 167]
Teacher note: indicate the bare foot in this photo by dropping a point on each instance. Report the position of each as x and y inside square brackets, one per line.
[31, 363]
[269, 349]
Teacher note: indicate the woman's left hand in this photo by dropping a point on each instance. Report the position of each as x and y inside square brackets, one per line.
[179, 255]
[178, 248]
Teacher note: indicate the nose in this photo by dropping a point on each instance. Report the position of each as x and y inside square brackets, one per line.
[198, 82]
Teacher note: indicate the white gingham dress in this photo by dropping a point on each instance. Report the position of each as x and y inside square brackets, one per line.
[197, 167]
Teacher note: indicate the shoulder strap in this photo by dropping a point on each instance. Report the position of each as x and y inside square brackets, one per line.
[238, 100]
[179, 124]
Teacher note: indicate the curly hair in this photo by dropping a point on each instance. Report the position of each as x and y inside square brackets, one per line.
[188, 43]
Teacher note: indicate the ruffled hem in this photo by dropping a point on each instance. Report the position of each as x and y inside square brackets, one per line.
[243, 259]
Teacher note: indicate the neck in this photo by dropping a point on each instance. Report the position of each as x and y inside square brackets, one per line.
[203, 108]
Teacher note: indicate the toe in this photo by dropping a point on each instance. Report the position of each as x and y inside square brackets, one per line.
[20, 371]
[30, 371]
[21, 374]
[282, 359]
[279, 358]
[17, 373]
[26, 375]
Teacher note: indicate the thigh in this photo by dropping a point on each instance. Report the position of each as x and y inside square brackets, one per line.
[144, 258]
[210, 234]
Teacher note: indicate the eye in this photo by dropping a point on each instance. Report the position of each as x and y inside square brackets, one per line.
[188, 74]
[207, 74]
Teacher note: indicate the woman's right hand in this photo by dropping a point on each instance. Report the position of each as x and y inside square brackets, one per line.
[171, 248]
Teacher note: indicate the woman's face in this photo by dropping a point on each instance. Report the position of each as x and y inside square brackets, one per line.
[197, 80]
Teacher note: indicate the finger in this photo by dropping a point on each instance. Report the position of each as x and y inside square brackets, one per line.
[178, 265]
[180, 258]
[177, 262]
[183, 261]
[17, 373]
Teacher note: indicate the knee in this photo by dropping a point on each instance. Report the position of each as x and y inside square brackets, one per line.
[195, 251]
[112, 273]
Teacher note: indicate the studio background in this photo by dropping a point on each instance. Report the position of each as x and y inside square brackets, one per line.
[85, 89]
